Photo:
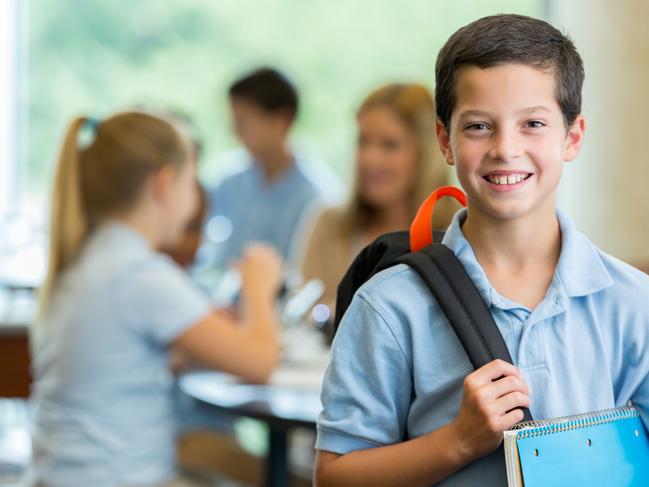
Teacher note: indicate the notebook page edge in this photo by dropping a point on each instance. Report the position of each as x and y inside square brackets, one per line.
[512, 460]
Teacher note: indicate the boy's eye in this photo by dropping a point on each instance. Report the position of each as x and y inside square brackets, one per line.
[534, 124]
[477, 127]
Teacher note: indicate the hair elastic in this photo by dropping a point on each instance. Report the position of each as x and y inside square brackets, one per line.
[88, 132]
[92, 123]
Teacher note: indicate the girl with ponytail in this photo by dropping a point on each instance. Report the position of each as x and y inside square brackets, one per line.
[112, 306]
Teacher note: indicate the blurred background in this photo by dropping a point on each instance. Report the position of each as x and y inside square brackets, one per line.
[60, 58]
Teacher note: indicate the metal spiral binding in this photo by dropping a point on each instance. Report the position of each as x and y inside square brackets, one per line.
[532, 429]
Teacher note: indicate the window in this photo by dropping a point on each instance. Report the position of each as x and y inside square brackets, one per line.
[96, 56]
[8, 88]
[93, 57]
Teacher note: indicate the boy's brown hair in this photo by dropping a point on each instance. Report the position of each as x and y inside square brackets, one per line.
[269, 89]
[510, 39]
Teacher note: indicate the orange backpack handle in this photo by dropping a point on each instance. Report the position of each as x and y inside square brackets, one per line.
[421, 229]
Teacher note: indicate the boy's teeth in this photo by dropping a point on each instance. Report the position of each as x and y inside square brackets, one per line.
[502, 179]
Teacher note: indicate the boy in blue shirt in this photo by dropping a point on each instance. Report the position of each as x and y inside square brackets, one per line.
[402, 405]
[273, 191]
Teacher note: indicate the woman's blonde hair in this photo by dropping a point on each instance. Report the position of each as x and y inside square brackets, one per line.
[412, 104]
[104, 178]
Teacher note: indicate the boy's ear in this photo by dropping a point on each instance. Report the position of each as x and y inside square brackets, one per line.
[574, 138]
[444, 141]
[284, 119]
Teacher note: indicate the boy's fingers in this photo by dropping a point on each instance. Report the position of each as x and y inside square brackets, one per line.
[511, 401]
[508, 420]
[494, 370]
[505, 385]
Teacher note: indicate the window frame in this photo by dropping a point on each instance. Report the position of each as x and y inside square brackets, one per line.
[9, 73]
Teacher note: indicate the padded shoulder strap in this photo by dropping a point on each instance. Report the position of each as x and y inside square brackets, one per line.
[462, 304]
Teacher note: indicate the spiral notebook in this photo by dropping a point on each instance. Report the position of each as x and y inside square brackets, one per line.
[604, 448]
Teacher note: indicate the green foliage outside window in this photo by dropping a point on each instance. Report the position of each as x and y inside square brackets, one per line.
[96, 56]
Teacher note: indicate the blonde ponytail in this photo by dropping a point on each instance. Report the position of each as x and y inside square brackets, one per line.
[105, 178]
[69, 222]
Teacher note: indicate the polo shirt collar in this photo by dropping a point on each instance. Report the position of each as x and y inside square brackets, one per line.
[580, 266]
[454, 239]
[580, 270]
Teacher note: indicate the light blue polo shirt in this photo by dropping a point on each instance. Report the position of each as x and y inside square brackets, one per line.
[275, 213]
[103, 404]
[397, 368]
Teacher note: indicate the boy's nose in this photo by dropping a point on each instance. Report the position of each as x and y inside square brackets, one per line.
[506, 146]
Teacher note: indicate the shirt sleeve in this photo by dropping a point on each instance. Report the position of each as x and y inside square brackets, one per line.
[627, 325]
[635, 370]
[368, 384]
[159, 300]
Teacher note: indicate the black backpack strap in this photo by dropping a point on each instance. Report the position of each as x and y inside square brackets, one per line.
[462, 304]
[377, 256]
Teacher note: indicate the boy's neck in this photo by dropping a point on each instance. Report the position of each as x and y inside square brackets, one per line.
[515, 242]
[275, 162]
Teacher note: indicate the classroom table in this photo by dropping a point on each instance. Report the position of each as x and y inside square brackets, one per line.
[290, 400]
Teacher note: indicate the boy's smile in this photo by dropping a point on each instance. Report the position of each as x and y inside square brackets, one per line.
[507, 180]
[508, 139]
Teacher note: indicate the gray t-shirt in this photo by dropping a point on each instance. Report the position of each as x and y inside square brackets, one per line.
[103, 391]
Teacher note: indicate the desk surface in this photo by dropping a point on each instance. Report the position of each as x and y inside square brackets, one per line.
[292, 398]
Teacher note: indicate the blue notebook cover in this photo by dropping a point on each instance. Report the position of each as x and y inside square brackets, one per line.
[605, 448]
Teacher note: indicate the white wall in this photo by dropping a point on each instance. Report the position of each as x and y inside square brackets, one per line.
[8, 95]
[607, 188]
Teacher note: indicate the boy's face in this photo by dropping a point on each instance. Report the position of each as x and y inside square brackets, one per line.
[259, 131]
[508, 139]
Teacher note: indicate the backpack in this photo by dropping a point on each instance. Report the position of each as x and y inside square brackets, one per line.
[442, 273]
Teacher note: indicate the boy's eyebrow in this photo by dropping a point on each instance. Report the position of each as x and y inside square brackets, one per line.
[474, 113]
[482, 113]
[537, 108]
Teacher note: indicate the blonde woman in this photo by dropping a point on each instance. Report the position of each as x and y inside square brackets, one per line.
[112, 306]
[398, 164]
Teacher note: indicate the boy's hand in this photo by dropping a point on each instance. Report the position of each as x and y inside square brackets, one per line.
[492, 395]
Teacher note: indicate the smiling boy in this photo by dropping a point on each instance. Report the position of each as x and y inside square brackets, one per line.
[402, 405]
